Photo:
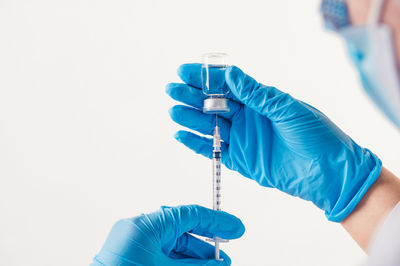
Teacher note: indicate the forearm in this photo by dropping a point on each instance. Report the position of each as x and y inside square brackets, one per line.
[376, 204]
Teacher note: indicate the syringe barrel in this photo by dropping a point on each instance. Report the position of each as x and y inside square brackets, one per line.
[217, 180]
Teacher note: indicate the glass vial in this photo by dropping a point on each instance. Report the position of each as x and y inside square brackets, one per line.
[213, 83]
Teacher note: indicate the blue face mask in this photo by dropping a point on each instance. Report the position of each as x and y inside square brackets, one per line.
[371, 48]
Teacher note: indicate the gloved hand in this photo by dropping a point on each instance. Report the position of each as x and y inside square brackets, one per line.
[278, 141]
[162, 238]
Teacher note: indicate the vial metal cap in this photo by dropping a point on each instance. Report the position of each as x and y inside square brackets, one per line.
[215, 105]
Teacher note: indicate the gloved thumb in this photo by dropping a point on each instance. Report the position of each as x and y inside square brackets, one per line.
[268, 101]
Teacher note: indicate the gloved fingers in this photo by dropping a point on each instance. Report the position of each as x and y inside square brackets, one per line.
[205, 222]
[186, 94]
[199, 145]
[188, 246]
[268, 101]
[194, 97]
[129, 240]
[198, 121]
[191, 75]
[202, 145]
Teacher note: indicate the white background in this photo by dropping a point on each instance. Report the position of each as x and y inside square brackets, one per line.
[86, 139]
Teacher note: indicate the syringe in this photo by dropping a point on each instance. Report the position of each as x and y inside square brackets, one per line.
[215, 88]
[217, 179]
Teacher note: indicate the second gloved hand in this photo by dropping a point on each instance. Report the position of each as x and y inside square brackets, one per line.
[278, 141]
[164, 238]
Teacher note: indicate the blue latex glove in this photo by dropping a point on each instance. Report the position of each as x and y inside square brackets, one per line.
[278, 141]
[162, 238]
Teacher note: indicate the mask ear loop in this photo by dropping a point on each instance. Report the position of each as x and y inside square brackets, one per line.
[375, 12]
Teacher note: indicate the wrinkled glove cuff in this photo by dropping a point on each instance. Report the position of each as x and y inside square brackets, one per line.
[373, 166]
